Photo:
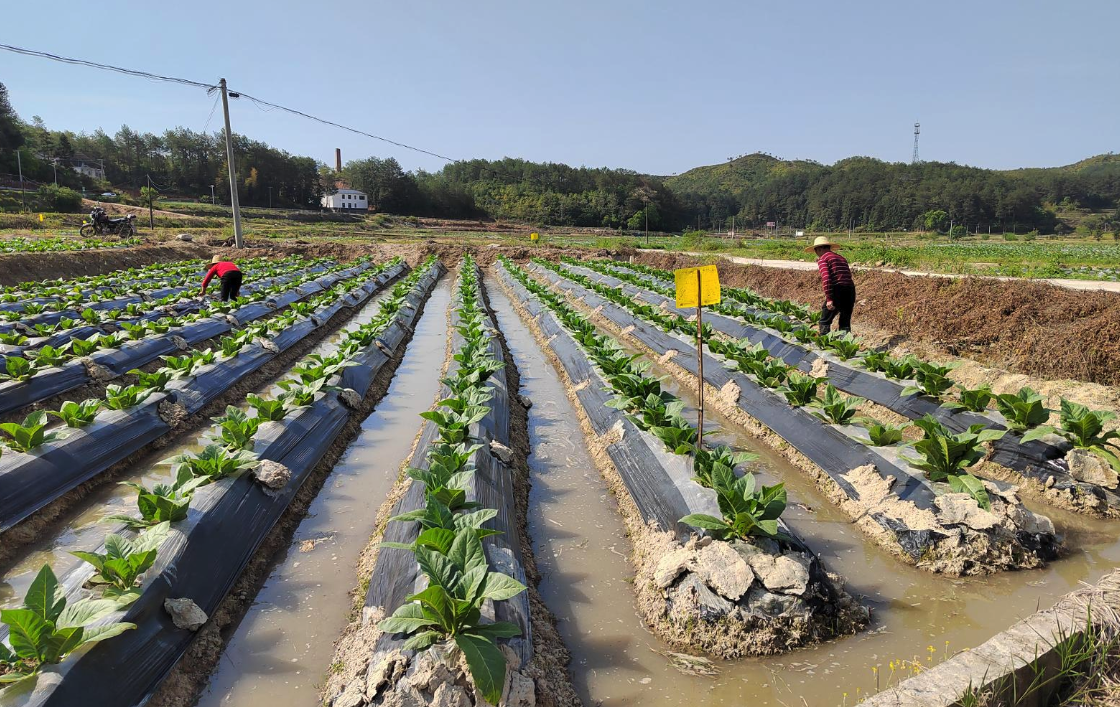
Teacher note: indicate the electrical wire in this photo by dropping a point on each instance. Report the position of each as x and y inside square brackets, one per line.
[211, 88]
[106, 67]
[324, 121]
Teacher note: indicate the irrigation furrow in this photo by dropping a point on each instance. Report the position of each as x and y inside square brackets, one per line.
[306, 598]
[229, 521]
[713, 595]
[919, 521]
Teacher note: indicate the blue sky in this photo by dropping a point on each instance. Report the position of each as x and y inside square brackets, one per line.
[654, 86]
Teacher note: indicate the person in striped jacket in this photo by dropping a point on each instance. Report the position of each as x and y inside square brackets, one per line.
[836, 281]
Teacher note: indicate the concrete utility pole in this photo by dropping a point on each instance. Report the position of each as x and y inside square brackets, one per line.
[151, 215]
[212, 199]
[54, 163]
[19, 163]
[237, 242]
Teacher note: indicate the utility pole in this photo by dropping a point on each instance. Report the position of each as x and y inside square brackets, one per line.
[237, 242]
[19, 163]
[151, 198]
[54, 163]
[270, 197]
[212, 199]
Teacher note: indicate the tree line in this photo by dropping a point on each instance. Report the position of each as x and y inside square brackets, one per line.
[858, 192]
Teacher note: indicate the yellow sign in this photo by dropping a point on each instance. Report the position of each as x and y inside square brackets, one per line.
[697, 286]
[40, 218]
[534, 236]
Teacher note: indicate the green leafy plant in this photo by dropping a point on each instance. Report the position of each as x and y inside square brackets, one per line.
[267, 410]
[1022, 410]
[180, 366]
[155, 381]
[298, 394]
[899, 368]
[125, 560]
[973, 400]
[844, 345]
[946, 456]
[47, 628]
[18, 368]
[1084, 428]
[213, 462]
[933, 379]
[31, 434]
[884, 435]
[235, 429]
[47, 356]
[78, 414]
[164, 502]
[84, 347]
[450, 609]
[747, 510]
[800, 388]
[12, 338]
[123, 397]
[835, 408]
[706, 459]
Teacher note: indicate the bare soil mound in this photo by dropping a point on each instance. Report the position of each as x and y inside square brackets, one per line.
[1022, 326]
[22, 267]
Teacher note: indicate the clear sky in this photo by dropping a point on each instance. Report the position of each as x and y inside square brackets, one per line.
[653, 86]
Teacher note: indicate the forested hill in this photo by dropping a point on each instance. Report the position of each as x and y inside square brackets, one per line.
[882, 195]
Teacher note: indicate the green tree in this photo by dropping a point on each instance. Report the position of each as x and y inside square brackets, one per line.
[149, 196]
[935, 220]
[11, 137]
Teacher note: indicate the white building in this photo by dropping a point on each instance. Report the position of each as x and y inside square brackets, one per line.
[346, 199]
[89, 168]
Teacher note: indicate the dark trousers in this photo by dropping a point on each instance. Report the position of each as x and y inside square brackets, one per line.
[231, 285]
[843, 301]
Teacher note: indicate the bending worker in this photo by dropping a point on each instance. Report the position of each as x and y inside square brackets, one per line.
[836, 280]
[228, 273]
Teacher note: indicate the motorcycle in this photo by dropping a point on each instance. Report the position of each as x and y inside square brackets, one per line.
[100, 224]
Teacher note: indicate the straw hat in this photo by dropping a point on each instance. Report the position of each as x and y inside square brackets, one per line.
[216, 259]
[819, 241]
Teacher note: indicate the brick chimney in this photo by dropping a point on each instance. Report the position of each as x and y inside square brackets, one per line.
[338, 159]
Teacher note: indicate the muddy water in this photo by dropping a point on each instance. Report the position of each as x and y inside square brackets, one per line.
[580, 548]
[85, 527]
[280, 650]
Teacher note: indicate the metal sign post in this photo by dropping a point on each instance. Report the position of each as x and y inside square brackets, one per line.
[700, 360]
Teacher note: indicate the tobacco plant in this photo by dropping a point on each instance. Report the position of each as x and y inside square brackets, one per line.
[450, 609]
[47, 628]
[747, 510]
[884, 435]
[1084, 428]
[972, 399]
[835, 408]
[1022, 410]
[17, 368]
[78, 414]
[31, 434]
[800, 388]
[268, 410]
[125, 560]
[933, 379]
[123, 397]
[946, 456]
[164, 502]
[213, 463]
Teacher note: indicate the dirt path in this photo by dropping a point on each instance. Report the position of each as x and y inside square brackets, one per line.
[1097, 285]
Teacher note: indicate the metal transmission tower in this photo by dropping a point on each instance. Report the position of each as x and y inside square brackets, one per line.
[917, 129]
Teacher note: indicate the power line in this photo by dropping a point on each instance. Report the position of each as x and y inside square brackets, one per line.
[340, 126]
[105, 67]
[213, 87]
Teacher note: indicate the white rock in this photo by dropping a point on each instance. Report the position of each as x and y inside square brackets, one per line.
[670, 566]
[724, 570]
[1091, 469]
[272, 474]
[185, 237]
[787, 574]
[185, 613]
[501, 451]
[350, 398]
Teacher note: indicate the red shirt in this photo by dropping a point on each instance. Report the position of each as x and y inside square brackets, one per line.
[834, 272]
[221, 269]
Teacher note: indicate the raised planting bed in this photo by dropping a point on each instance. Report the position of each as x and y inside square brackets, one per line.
[27, 336]
[32, 479]
[453, 534]
[751, 588]
[1047, 466]
[970, 527]
[110, 362]
[231, 512]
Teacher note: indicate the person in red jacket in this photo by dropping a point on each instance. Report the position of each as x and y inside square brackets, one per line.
[836, 281]
[228, 273]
